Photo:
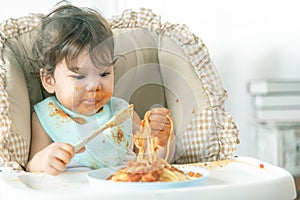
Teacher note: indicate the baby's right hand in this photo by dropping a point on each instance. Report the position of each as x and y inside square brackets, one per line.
[53, 159]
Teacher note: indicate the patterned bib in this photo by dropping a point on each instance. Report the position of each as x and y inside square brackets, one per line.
[62, 125]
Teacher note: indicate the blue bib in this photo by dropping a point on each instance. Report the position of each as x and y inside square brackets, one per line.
[62, 125]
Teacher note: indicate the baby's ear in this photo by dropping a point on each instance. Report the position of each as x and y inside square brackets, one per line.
[47, 81]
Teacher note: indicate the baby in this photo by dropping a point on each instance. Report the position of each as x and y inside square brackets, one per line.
[74, 52]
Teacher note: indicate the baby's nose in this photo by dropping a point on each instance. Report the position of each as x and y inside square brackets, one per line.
[94, 84]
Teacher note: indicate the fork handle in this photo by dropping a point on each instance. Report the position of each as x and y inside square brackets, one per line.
[87, 139]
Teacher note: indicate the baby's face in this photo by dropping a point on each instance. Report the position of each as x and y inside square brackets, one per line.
[86, 90]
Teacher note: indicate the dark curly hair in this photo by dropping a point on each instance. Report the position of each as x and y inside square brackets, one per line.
[68, 30]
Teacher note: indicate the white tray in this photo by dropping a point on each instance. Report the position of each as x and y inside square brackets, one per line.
[240, 178]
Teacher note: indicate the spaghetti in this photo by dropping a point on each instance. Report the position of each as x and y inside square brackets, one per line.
[144, 135]
[157, 171]
[150, 168]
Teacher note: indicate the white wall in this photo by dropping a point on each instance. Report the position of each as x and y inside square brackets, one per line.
[18, 8]
[246, 38]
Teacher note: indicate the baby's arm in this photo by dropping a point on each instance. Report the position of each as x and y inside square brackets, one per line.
[46, 156]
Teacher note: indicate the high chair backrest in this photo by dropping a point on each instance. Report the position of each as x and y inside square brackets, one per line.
[160, 64]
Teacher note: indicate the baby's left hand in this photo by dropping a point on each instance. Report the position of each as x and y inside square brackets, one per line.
[160, 125]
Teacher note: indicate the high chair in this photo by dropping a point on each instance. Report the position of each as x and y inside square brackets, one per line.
[160, 64]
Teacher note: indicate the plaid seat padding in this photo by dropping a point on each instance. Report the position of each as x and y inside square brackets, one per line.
[13, 148]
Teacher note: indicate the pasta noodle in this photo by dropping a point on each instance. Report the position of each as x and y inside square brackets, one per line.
[157, 171]
[150, 168]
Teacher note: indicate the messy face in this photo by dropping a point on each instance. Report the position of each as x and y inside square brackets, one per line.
[85, 88]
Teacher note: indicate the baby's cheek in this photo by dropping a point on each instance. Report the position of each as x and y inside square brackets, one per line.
[69, 103]
[107, 94]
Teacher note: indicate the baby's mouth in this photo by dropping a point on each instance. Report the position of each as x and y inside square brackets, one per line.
[91, 101]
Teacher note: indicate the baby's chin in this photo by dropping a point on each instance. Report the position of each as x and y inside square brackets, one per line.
[90, 112]
[86, 109]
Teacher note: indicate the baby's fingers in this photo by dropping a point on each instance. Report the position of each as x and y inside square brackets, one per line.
[157, 127]
[64, 156]
[159, 111]
[67, 148]
[57, 166]
[159, 121]
[61, 154]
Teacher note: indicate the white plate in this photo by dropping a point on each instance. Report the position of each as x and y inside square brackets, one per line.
[97, 179]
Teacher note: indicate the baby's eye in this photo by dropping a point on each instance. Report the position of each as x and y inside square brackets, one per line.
[104, 74]
[78, 77]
